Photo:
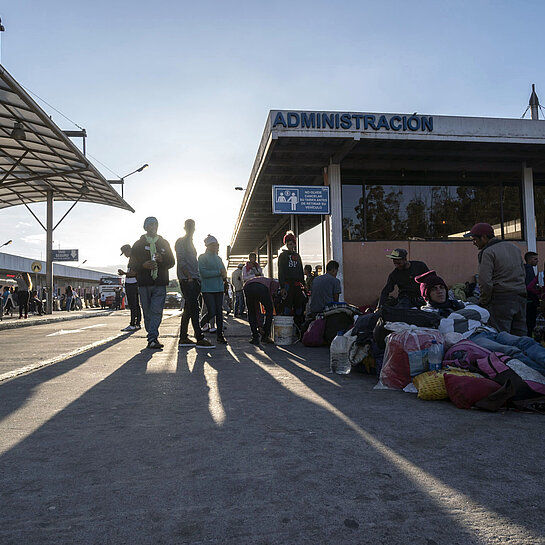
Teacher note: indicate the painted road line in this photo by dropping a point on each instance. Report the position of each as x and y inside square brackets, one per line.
[68, 331]
[57, 359]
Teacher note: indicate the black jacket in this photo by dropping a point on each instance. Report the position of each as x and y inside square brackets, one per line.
[141, 253]
[290, 268]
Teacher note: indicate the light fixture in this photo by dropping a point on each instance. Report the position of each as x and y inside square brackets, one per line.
[121, 181]
[403, 173]
[18, 133]
[238, 188]
[6, 243]
[85, 188]
[2, 28]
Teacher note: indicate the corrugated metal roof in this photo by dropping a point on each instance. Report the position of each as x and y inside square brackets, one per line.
[45, 159]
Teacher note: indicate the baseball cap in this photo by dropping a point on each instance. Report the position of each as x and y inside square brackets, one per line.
[480, 229]
[125, 247]
[398, 253]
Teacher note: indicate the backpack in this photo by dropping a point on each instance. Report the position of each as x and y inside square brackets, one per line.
[314, 335]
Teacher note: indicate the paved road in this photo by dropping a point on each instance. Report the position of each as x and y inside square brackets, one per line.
[238, 445]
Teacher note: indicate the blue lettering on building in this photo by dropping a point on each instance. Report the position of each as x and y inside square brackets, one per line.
[348, 121]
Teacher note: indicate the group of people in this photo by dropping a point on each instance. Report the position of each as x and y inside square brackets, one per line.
[203, 283]
[22, 296]
[501, 318]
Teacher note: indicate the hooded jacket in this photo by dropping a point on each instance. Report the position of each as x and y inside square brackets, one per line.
[141, 253]
[290, 268]
[501, 271]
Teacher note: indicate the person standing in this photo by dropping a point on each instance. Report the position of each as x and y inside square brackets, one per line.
[151, 259]
[252, 268]
[292, 280]
[501, 280]
[190, 283]
[260, 291]
[131, 289]
[69, 292]
[213, 275]
[238, 286]
[532, 300]
[24, 285]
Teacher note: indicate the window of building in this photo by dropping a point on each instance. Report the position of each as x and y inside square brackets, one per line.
[377, 211]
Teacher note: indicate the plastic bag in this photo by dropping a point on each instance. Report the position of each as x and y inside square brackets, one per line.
[406, 353]
[339, 361]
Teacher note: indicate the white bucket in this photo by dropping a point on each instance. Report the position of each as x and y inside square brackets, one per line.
[283, 330]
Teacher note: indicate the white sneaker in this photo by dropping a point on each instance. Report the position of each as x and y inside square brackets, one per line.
[213, 329]
[129, 328]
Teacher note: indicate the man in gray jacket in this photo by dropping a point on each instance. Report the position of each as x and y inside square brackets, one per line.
[501, 280]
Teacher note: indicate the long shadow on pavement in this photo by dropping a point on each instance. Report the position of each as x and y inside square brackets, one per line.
[238, 446]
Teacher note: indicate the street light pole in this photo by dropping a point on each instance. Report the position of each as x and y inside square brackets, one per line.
[121, 180]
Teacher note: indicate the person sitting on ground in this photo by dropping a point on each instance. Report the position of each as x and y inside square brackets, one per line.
[291, 278]
[260, 291]
[403, 276]
[326, 288]
[471, 322]
[252, 268]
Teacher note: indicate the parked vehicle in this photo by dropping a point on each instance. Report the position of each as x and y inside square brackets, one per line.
[173, 300]
[107, 285]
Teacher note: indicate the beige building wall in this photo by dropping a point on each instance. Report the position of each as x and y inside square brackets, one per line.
[366, 266]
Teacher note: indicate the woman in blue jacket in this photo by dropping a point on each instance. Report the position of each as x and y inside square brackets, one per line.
[213, 275]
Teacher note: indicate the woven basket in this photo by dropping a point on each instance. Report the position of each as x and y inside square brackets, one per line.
[431, 385]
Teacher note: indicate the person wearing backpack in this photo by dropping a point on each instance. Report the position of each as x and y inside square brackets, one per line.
[471, 322]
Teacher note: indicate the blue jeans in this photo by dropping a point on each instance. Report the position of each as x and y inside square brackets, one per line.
[68, 302]
[152, 299]
[214, 307]
[239, 303]
[524, 349]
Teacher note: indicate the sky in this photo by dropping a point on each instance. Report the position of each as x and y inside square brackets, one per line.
[186, 87]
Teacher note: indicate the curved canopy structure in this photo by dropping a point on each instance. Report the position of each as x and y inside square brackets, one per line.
[37, 157]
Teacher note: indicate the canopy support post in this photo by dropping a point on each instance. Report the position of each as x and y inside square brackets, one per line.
[49, 252]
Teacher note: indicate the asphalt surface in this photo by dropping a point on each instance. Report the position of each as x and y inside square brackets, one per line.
[242, 445]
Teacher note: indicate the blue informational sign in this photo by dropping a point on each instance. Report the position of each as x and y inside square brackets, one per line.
[65, 255]
[300, 199]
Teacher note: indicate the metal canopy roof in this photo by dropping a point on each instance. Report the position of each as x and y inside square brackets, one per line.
[297, 158]
[46, 159]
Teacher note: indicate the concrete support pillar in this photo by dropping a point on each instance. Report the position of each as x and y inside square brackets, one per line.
[528, 207]
[336, 220]
[269, 257]
[49, 252]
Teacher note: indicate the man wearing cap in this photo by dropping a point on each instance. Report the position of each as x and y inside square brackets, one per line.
[151, 259]
[190, 284]
[238, 285]
[131, 290]
[403, 277]
[501, 280]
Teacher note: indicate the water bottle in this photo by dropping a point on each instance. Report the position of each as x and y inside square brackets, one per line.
[338, 355]
[435, 356]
